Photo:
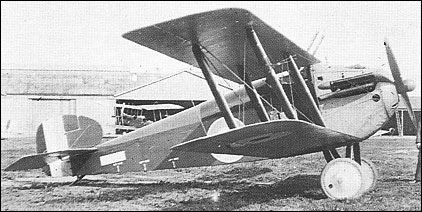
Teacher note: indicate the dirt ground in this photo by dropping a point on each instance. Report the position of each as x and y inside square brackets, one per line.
[281, 184]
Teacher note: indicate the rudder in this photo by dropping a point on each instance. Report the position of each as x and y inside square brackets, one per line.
[62, 133]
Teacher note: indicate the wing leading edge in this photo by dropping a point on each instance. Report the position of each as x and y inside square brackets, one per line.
[221, 33]
[274, 139]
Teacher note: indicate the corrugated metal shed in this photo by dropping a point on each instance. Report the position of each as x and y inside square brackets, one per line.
[182, 86]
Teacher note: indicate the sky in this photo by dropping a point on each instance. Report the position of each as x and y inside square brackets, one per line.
[88, 35]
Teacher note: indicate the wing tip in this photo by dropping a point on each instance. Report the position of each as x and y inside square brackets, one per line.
[127, 34]
[9, 168]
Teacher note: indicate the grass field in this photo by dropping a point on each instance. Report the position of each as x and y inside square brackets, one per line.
[282, 184]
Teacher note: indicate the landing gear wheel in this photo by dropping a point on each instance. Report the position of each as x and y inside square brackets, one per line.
[341, 179]
[370, 175]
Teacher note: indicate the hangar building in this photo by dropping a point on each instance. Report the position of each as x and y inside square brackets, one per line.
[30, 96]
[400, 123]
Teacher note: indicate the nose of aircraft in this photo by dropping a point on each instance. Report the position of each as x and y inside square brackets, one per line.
[389, 97]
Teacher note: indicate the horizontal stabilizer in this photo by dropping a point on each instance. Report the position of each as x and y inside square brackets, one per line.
[41, 160]
[273, 139]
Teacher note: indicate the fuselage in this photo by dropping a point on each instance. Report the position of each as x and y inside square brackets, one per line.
[148, 148]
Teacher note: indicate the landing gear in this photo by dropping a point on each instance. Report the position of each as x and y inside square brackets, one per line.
[348, 178]
[370, 175]
[369, 171]
[342, 178]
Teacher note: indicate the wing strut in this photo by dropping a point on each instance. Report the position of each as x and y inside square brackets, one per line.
[303, 90]
[275, 84]
[253, 95]
[271, 76]
[219, 99]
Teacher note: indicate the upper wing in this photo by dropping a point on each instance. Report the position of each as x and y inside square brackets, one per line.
[222, 33]
[274, 139]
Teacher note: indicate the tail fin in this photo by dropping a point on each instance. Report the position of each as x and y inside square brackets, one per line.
[68, 132]
[57, 140]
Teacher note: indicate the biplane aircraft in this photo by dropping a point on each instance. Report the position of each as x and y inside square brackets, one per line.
[139, 116]
[275, 114]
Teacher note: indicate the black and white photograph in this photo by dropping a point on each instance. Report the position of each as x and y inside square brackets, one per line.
[211, 105]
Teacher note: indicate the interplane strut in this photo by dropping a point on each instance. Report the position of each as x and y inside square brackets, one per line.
[219, 98]
[271, 75]
[304, 91]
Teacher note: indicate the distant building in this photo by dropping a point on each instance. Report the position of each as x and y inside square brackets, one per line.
[30, 96]
[401, 124]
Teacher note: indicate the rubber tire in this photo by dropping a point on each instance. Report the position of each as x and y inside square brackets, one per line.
[370, 175]
[342, 179]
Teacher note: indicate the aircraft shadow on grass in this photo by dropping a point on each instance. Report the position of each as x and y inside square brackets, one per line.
[234, 191]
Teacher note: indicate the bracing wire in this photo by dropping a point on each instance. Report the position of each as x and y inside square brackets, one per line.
[284, 61]
[236, 76]
[290, 85]
[215, 68]
[225, 66]
[200, 119]
[244, 75]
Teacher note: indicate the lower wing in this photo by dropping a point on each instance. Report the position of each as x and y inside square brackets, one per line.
[273, 139]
